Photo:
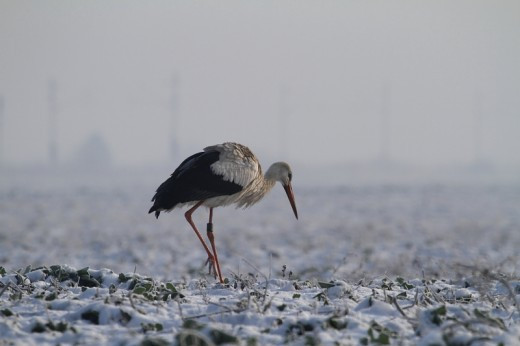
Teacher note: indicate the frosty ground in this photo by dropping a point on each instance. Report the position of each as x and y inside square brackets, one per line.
[371, 264]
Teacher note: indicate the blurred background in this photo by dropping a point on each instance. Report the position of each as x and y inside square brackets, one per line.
[401, 121]
[345, 91]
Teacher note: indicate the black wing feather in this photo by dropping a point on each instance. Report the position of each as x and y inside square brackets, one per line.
[192, 181]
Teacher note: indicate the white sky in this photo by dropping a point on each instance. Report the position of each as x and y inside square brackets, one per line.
[435, 64]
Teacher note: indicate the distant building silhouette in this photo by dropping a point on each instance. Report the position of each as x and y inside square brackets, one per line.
[477, 130]
[174, 107]
[93, 154]
[284, 113]
[385, 112]
[1, 131]
[52, 104]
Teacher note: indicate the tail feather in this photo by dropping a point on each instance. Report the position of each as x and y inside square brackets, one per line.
[165, 198]
[157, 212]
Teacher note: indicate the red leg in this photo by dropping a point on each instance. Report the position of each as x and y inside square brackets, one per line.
[211, 258]
[211, 238]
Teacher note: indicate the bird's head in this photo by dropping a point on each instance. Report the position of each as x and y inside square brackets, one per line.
[281, 171]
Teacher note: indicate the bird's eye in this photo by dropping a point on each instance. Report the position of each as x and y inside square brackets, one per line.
[290, 176]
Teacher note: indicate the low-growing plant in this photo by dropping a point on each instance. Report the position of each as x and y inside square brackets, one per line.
[154, 327]
[335, 322]
[322, 297]
[377, 334]
[194, 333]
[91, 315]
[153, 292]
[154, 342]
[404, 284]
[6, 312]
[61, 327]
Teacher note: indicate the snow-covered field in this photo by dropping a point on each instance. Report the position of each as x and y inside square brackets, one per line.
[427, 264]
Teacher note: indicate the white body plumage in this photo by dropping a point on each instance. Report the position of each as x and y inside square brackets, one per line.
[237, 164]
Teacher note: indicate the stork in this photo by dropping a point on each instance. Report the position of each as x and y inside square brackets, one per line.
[221, 175]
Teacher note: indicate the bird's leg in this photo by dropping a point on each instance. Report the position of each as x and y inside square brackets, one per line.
[211, 258]
[211, 238]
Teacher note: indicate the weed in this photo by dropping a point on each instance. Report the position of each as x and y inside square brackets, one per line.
[154, 327]
[377, 334]
[322, 297]
[192, 334]
[154, 342]
[91, 315]
[61, 327]
[125, 317]
[335, 322]
[220, 337]
[404, 284]
[6, 312]
[438, 315]
[326, 284]
[51, 296]
[153, 292]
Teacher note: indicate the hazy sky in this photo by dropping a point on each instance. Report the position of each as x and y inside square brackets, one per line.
[337, 70]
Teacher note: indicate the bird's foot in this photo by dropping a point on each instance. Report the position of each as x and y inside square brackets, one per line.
[212, 265]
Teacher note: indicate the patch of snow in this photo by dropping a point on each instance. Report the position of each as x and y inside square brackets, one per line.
[408, 265]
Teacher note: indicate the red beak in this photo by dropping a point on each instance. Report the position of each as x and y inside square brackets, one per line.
[290, 195]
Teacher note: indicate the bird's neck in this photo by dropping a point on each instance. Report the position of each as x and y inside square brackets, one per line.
[268, 182]
[256, 190]
[270, 176]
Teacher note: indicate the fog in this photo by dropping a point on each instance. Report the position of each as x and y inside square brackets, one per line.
[327, 86]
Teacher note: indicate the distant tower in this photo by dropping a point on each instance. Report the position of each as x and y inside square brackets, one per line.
[53, 113]
[1, 131]
[477, 130]
[174, 108]
[283, 118]
[480, 164]
[384, 145]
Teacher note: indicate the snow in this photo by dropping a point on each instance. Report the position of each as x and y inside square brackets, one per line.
[364, 264]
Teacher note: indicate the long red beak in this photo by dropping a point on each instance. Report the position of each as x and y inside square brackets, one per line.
[290, 195]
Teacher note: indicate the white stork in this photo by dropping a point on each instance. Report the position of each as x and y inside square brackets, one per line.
[221, 175]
